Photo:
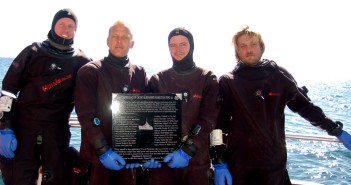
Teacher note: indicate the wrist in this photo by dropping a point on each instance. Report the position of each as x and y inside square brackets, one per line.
[102, 150]
[335, 129]
[101, 146]
[220, 166]
[6, 131]
[184, 154]
[189, 149]
[6, 120]
[218, 154]
[218, 161]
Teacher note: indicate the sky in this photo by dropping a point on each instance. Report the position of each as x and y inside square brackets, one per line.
[310, 38]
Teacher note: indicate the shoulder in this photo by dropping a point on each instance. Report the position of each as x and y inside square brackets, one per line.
[81, 54]
[162, 73]
[208, 74]
[286, 73]
[282, 70]
[137, 67]
[91, 66]
[33, 48]
[205, 71]
[227, 76]
[27, 52]
[30, 49]
[90, 70]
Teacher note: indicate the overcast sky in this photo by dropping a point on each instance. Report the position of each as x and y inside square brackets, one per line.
[311, 38]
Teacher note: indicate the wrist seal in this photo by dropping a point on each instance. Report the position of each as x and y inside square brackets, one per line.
[217, 154]
[101, 146]
[335, 129]
[189, 149]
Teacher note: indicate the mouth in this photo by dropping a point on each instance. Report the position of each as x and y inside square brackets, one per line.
[250, 55]
[64, 36]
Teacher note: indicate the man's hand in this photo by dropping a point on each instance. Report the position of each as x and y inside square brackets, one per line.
[111, 160]
[222, 175]
[177, 159]
[152, 163]
[133, 165]
[8, 143]
[345, 138]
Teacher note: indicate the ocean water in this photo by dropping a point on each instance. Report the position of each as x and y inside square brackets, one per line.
[321, 162]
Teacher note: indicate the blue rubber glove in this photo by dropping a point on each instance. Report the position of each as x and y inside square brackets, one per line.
[111, 160]
[152, 163]
[177, 159]
[133, 165]
[8, 143]
[222, 175]
[345, 138]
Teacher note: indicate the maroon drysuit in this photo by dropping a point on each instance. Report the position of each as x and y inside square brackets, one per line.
[252, 113]
[43, 77]
[95, 84]
[201, 108]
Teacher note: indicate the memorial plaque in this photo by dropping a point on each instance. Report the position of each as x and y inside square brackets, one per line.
[145, 125]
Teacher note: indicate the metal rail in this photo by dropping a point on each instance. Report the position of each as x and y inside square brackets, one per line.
[73, 120]
[311, 137]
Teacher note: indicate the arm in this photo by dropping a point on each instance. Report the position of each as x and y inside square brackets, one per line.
[225, 105]
[222, 175]
[10, 87]
[86, 102]
[315, 115]
[86, 107]
[8, 141]
[298, 103]
[205, 117]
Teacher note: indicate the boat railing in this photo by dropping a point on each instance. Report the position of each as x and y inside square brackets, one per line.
[74, 123]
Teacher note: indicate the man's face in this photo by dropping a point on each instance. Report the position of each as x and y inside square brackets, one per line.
[65, 28]
[179, 47]
[249, 50]
[120, 41]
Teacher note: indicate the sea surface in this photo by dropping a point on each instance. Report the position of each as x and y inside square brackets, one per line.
[321, 162]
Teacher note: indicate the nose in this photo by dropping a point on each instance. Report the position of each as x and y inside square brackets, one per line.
[118, 40]
[68, 28]
[179, 47]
